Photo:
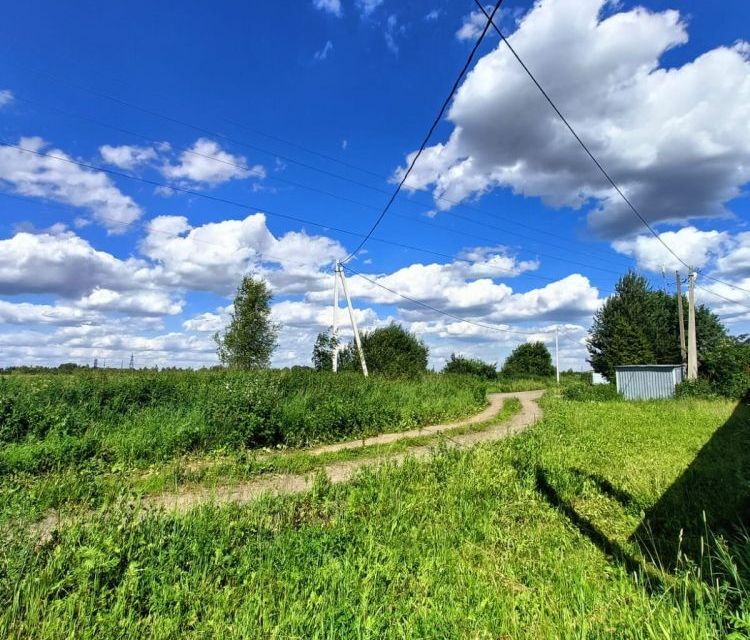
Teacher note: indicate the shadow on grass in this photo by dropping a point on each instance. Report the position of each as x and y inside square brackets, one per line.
[610, 548]
[606, 487]
[717, 483]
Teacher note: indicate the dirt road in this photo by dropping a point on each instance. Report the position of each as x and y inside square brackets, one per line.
[343, 471]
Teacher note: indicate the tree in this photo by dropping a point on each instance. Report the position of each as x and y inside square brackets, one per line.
[459, 364]
[322, 355]
[529, 359]
[390, 351]
[640, 326]
[727, 367]
[250, 338]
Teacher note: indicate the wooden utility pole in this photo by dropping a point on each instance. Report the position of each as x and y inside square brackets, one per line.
[681, 319]
[692, 345]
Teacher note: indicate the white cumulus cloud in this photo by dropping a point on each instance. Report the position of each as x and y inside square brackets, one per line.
[207, 163]
[676, 139]
[331, 6]
[6, 97]
[126, 156]
[56, 178]
[697, 248]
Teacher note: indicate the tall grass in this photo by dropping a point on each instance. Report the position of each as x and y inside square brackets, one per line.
[49, 422]
[532, 537]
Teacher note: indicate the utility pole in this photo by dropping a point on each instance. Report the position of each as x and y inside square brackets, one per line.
[335, 327]
[681, 319]
[692, 345]
[557, 353]
[355, 329]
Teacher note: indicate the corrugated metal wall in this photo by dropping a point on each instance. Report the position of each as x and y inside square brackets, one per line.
[648, 382]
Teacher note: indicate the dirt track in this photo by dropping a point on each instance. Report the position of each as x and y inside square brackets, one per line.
[343, 471]
[182, 501]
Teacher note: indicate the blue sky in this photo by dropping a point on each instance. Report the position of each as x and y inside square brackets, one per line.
[311, 113]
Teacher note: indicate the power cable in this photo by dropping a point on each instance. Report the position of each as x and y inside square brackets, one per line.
[290, 160]
[432, 128]
[578, 138]
[440, 311]
[242, 205]
[247, 167]
[590, 154]
[350, 165]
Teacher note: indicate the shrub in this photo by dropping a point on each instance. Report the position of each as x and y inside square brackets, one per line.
[475, 367]
[529, 359]
[590, 392]
[390, 351]
[699, 388]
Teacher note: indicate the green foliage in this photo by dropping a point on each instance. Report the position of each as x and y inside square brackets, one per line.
[727, 367]
[250, 338]
[506, 384]
[529, 359]
[529, 538]
[461, 365]
[699, 388]
[582, 392]
[322, 356]
[49, 422]
[640, 326]
[389, 351]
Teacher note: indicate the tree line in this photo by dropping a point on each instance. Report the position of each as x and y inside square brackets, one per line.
[636, 325]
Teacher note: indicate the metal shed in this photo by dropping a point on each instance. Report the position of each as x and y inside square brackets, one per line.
[648, 381]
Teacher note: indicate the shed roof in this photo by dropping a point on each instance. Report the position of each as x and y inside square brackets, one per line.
[648, 366]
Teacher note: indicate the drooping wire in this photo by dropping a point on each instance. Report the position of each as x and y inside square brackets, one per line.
[590, 154]
[426, 139]
[441, 311]
[578, 138]
[242, 205]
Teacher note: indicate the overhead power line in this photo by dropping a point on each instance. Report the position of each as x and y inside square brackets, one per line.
[583, 145]
[590, 154]
[247, 167]
[220, 135]
[723, 297]
[440, 311]
[432, 128]
[245, 206]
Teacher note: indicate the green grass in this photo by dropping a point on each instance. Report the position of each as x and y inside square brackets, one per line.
[138, 418]
[28, 497]
[533, 537]
[506, 385]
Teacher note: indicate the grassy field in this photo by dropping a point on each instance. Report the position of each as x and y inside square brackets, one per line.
[138, 418]
[572, 529]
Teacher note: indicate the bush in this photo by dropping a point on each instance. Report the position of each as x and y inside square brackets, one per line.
[699, 388]
[469, 366]
[727, 368]
[591, 392]
[389, 351]
[530, 359]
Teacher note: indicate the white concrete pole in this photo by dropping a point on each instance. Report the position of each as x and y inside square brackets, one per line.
[692, 346]
[355, 329]
[335, 327]
[557, 354]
